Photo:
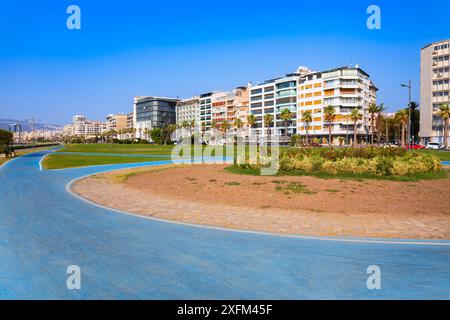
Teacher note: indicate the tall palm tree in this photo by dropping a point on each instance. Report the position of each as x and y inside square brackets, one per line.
[225, 125]
[402, 117]
[185, 124]
[329, 113]
[286, 116]
[251, 120]
[355, 116]
[374, 110]
[170, 129]
[444, 113]
[379, 123]
[238, 123]
[268, 121]
[307, 119]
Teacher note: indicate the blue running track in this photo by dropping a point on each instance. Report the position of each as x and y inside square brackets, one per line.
[44, 229]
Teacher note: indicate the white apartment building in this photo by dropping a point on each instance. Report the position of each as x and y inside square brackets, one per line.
[434, 89]
[188, 110]
[344, 88]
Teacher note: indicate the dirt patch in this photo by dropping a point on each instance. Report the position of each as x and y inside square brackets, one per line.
[206, 194]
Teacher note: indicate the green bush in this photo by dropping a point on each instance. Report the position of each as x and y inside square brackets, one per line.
[367, 161]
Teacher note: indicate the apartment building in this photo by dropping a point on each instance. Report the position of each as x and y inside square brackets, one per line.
[153, 112]
[188, 110]
[271, 97]
[344, 88]
[130, 120]
[434, 89]
[116, 122]
[83, 128]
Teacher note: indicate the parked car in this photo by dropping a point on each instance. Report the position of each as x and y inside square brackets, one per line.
[414, 146]
[433, 146]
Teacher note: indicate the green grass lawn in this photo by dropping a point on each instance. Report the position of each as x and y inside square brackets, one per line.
[62, 161]
[443, 155]
[119, 148]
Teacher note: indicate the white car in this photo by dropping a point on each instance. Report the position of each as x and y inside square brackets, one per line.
[433, 146]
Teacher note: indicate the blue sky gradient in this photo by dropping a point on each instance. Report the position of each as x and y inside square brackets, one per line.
[182, 48]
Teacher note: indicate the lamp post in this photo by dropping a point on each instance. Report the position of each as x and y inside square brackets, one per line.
[409, 86]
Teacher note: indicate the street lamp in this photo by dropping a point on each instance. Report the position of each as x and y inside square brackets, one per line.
[409, 86]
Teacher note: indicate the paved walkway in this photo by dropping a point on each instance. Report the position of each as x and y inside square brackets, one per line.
[44, 229]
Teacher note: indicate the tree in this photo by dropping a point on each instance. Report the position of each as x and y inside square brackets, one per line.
[6, 140]
[402, 117]
[168, 132]
[374, 110]
[156, 135]
[379, 123]
[355, 116]
[225, 125]
[307, 119]
[329, 113]
[444, 113]
[238, 123]
[185, 124]
[251, 120]
[286, 116]
[415, 119]
[268, 121]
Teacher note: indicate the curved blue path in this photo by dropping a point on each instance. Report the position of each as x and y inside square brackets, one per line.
[44, 229]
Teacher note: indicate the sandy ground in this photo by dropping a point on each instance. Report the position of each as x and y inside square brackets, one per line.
[208, 195]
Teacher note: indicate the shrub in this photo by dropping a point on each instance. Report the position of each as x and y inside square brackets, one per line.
[371, 161]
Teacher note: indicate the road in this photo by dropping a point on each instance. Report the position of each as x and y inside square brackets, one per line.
[44, 229]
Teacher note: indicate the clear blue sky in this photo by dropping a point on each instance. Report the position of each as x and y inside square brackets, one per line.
[182, 48]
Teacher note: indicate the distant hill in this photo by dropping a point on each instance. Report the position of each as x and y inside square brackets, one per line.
[4, 124]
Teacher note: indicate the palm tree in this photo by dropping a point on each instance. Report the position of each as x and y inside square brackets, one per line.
[329, 113]
[286, 116]
[307, 119]
[238, 123]
[355, 116]
[379, 123]
[444, 113]
[225, 125]
[185, 124]
[170, 129]
[251, 120]
[268, 120]
[402, 117]
[374, 110]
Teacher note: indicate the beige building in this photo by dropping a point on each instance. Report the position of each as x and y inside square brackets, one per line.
[434, 89]
[116, 122]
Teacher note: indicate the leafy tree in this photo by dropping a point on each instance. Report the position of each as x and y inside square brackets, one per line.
[6, 140]
[156, 135]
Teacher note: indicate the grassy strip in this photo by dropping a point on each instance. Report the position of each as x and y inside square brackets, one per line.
[443, 155]
[59, 161]
[423, 176]
[119, 148]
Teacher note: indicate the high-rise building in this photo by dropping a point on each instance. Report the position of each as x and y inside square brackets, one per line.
[83, 128]
[434, 89]
[153, 112]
